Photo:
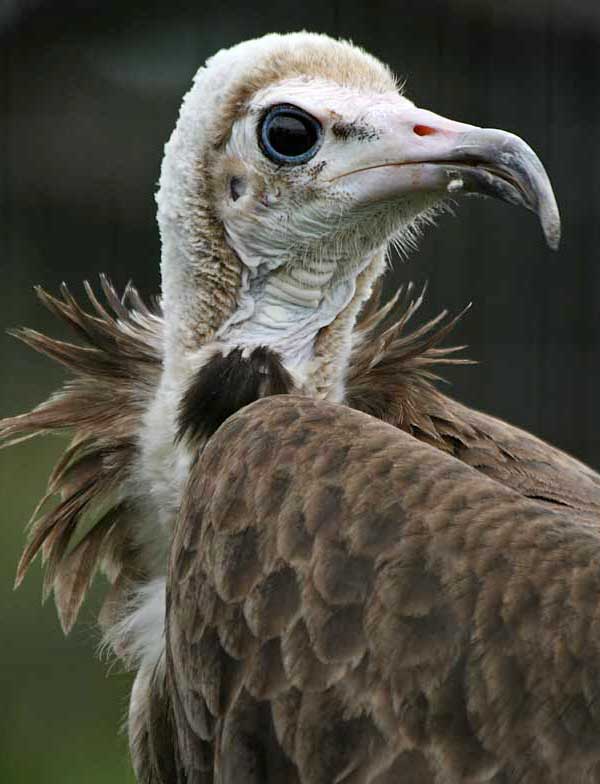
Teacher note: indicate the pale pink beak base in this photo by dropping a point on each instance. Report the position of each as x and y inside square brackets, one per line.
[419, 151]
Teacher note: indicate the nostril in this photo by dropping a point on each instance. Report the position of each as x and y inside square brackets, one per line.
[424, 130]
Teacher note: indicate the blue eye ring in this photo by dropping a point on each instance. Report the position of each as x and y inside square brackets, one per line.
[303, 131]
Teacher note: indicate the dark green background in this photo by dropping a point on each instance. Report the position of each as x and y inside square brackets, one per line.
[88, 94]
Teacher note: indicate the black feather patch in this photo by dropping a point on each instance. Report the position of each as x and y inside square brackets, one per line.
[226, 384]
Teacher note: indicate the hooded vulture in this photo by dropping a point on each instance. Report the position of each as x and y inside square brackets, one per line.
[322, 569]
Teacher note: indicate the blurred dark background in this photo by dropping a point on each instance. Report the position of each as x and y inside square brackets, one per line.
[89, 92]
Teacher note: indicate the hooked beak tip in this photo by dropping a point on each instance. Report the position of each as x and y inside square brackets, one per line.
[549, 217]
[514, 173]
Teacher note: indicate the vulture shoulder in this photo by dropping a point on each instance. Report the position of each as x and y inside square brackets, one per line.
[392, 376]
[349, 604]
[527, 464]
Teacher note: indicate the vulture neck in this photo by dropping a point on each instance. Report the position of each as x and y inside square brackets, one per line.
[303, 312]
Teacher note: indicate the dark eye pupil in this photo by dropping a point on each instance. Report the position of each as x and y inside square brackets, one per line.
[291, 136]
[288, 135]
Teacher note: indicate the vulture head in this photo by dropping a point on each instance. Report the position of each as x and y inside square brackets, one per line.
[296, 162]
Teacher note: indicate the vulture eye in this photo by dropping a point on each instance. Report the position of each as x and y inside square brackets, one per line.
[288, 135]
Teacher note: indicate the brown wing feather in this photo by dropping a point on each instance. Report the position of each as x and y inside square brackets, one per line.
[521, 461]
[347, 604]
[116, 371]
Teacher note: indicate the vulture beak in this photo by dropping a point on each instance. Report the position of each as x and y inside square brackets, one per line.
[417, 151]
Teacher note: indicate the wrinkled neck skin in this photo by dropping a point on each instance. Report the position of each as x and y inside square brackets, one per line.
[287, 306]
[287, 309]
